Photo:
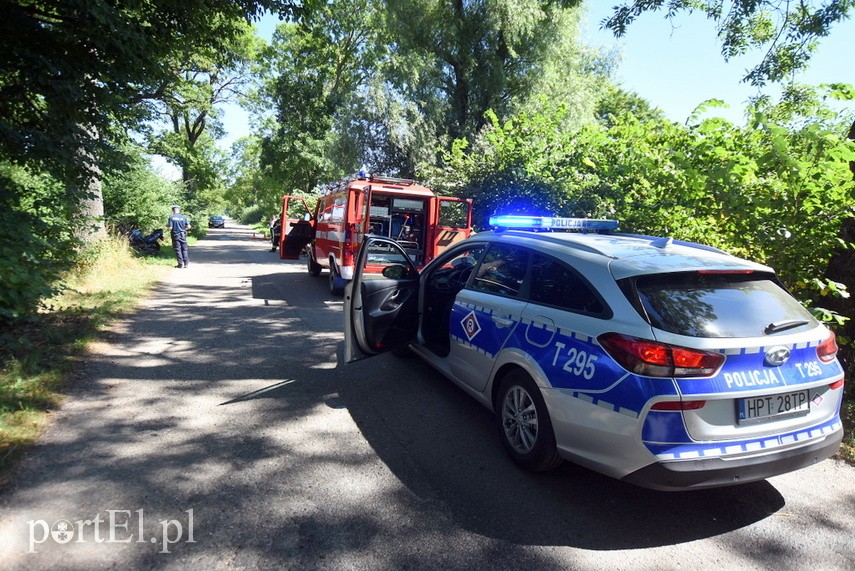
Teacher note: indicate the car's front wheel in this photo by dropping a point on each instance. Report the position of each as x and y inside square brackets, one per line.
[524, 423]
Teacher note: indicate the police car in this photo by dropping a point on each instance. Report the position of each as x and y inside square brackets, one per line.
[667, 364]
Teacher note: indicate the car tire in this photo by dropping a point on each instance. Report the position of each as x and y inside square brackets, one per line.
[335, 289]
[313, 267]
[524, 424]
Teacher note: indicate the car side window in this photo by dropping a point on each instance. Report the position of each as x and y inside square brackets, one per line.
[555, 284]
[502, 271]
[455, 272]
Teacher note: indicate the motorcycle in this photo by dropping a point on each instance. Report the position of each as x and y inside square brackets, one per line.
[146, 244]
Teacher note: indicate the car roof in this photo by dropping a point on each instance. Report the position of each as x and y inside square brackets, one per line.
[628, 254]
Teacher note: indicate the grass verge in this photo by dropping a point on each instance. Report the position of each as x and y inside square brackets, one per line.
[37, 357]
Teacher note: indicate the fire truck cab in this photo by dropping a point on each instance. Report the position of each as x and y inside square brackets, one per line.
[423, 223]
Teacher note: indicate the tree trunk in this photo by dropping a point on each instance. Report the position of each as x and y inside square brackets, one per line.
[90, 226]
[92, 209]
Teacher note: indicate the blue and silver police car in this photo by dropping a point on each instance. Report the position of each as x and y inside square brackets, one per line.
[667, 364]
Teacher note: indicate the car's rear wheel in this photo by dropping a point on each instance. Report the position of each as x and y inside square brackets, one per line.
[524, 423]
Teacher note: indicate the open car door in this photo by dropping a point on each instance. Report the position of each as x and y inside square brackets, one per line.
[380, 310]
[453, 222]
[297, 227]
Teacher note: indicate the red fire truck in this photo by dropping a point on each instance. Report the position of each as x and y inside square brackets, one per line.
[422, 222]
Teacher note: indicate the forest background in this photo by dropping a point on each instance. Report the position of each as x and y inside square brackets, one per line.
[496, 100]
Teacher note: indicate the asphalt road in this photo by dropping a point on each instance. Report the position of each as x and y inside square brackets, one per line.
[216, 428]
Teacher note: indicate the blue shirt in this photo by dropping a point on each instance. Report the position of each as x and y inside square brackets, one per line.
[178, 223]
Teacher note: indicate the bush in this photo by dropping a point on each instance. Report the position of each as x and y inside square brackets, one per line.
[137, 197]
[776, 191]
[36, 241]
[253, 215]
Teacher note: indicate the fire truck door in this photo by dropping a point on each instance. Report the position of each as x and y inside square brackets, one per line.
[454, 222]
[298, 228]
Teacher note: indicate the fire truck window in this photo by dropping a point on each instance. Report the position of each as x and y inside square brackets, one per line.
[326, 213]
[338, 209]
[453, 214]
[296, 210]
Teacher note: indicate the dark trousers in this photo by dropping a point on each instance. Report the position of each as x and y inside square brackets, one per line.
[179, 244]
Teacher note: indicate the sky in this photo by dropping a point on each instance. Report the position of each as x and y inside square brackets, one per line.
[674, 66]
[678, 66]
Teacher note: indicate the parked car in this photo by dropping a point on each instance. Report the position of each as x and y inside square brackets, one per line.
[216, 222]
[667, 364]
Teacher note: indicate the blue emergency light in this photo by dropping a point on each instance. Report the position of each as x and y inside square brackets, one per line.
[547, 223]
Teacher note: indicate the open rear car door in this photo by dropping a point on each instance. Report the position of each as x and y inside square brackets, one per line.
[298, 228]
[380, 310]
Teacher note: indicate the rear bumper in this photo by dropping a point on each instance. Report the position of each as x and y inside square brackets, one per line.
[716, 472]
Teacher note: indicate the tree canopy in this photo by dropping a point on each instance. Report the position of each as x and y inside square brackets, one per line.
[72, 66]
[788, 32]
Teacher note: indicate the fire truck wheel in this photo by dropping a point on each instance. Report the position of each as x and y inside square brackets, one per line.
[335, 289]
[313, 267]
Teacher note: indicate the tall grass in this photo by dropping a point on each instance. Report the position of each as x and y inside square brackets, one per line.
[37, 356]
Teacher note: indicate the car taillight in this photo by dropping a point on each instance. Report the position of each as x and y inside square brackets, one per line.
[679, 405]
[350, 247]
[827, 350]
[836, 385]
[654, 359]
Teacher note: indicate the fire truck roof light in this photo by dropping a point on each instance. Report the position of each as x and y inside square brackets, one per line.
[546, 223]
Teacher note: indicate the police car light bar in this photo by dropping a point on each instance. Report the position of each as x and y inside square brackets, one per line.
[546, 223]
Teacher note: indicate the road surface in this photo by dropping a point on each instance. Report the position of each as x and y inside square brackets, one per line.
[216, 428]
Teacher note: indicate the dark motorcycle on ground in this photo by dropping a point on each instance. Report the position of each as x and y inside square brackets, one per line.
[146, 244]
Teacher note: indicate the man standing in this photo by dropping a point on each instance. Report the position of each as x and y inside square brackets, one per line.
[178, 226]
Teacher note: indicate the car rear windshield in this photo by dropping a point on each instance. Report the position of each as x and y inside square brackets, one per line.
[720, 305]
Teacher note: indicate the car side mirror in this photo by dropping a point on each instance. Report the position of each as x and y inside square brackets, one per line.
[396, 272]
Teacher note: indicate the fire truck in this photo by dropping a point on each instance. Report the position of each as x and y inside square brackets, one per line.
[423, 223]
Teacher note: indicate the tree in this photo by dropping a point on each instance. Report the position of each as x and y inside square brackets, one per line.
[73, 75]
[62, 75]
[311, 71]
[776, 190]
[521, 54]
[137, 197]
[382, 132]
[188, 106]
[787, 31]
[463, 58]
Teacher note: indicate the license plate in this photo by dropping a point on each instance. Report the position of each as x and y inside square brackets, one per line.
[782, 405]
